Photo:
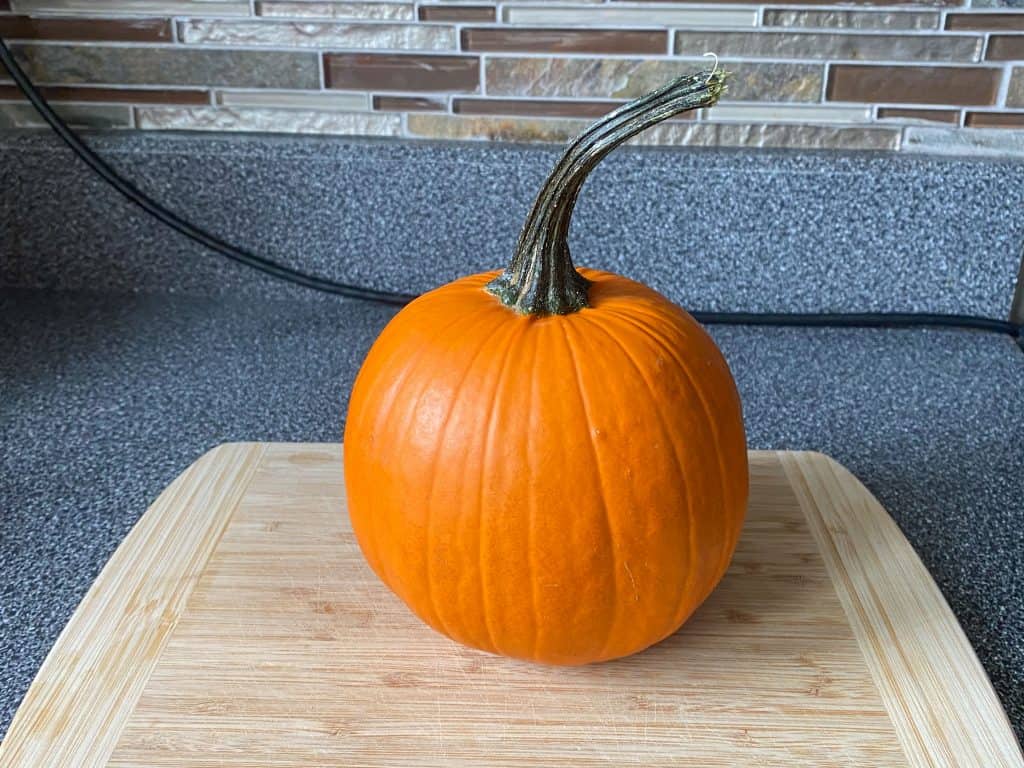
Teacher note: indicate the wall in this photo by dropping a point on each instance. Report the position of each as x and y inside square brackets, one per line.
[932, 76]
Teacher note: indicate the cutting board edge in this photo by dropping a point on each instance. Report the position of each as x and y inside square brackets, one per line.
[846, 518]
[187, 518]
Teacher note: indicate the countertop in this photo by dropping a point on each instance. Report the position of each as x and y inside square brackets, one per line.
[107, 397]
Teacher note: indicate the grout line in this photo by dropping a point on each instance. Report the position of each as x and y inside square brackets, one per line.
[483, 72]
[322, 70]
[907, 7]
[449, 98]
[824, 82]
[122, 15]
[755, 29]
[984, 46]
[427, 52]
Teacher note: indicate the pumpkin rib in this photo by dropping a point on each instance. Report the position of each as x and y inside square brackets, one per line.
[531, 511]
[688, 572]
[691, 543]
[732, 529]
[506, 355]
[658, 334]
[733, 526]
[413, 366]
[383, 416]
[601, 492]
[442, 439]
[661, 341]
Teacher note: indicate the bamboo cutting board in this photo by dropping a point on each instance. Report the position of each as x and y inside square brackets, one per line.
[237, 625]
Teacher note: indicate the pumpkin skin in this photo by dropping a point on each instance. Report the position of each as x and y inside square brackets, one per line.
[562, 488]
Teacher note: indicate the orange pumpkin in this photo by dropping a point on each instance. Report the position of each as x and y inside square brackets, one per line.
[549, 463]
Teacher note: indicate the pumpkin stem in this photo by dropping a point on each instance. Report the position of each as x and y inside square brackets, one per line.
[541, 278]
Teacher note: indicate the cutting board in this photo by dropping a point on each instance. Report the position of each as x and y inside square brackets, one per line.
[237, 625]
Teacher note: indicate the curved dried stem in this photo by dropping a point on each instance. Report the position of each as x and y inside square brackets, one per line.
[541, 278]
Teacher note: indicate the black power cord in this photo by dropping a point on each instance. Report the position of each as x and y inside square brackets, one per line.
[315, 282]
[173, 220]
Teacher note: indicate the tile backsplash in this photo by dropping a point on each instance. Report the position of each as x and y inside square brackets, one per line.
[926, 76]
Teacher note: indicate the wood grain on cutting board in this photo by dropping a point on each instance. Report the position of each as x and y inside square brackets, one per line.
[238, 626]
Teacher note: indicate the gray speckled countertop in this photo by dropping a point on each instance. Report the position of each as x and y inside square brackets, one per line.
[107, 397]
[712, 229]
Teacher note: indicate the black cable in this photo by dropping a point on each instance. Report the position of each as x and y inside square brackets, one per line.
[173, 220]
[861, 320]
[315, 282]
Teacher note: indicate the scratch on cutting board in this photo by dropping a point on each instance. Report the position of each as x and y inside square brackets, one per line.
[844, 752]
[442, 745]
[645, 711]
[745, 732]
[685, 706]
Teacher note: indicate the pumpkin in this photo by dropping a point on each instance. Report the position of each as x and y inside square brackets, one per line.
[550, 463]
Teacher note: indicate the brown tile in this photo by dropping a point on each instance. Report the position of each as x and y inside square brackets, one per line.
[995, 119]
[950, 116]
[1005, 48]
[407, 104]
[830, 45]
[10, 93]
[170, 65]
[75, 115]
[985, 22]
[402, 72]
[617, 17]
[548, 40]
[457, 13]
[121, 30]
[913, 85]
[113, 95]
[619, 77]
